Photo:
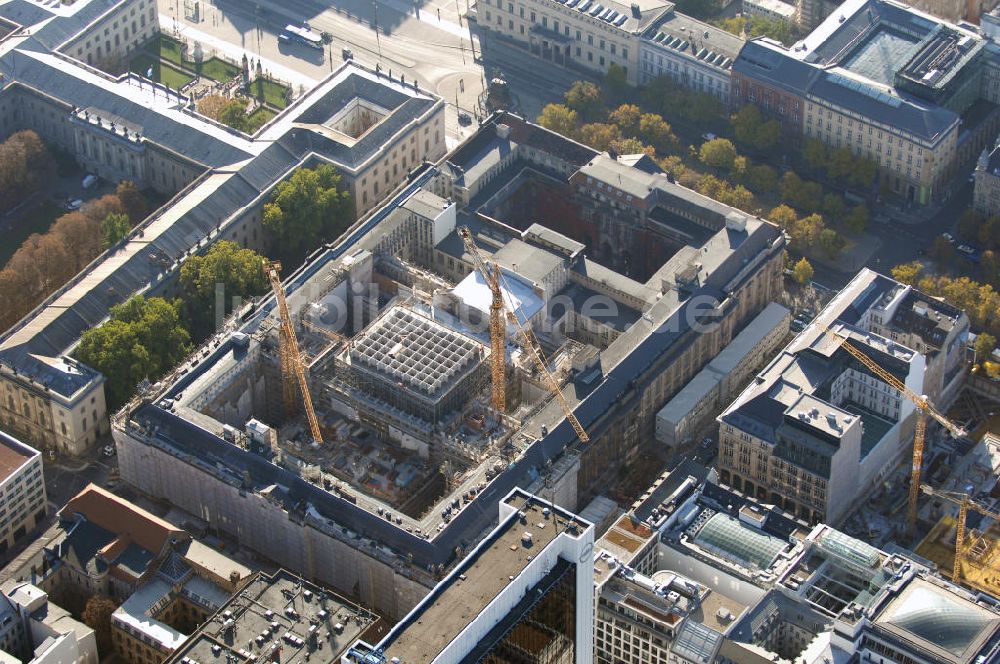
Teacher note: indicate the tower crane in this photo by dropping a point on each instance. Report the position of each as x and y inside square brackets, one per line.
[498, 335]
[498, 331]
[291, 359]
[965, 503]
[329, 334]
[924, 409]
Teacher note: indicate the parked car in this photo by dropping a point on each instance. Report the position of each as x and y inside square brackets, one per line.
[464, 119]
[89, 180]
[708, 136]
[74, 204]
[965, 249]
[108, 451]
[346, 53]
[949, 237]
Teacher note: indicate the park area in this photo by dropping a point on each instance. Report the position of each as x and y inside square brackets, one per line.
[164, 60]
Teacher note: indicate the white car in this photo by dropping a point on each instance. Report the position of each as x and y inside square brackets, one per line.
[708, 136]
[948, 237]
[966, 249]
[74, 204]
[108, 451]
[89, 181]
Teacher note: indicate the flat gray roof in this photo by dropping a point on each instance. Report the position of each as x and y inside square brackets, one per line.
[282, 611]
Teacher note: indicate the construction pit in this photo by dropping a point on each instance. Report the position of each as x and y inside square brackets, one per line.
[399, 375]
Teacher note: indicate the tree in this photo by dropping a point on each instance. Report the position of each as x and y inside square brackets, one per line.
[211, 106]
[840, 164]
[132, 200]
[751, 129]
[806, 233]
[908, 273]
[25, 166]
[98, 209]
[738, 197]
[857, 218]
[97, 616]
[988, 231]
[762, 26]
[632, 146]
[654, 130]
[238, 272]
[802, 272]
[718, 153]
[985, 343]
[81, 235]
[559, 118]
[833, 207]
[968, 225]
[863, 173]
[615, 84]
[814, 152]
[626, 117]
[831, 242]
[114, 227]
[784, 216]
[599, 136]
[234, 114]
[735, 25]
[761, 178]
[702, 9]
[142, 339]
[942, 252]
[585, 98]
[306, 208]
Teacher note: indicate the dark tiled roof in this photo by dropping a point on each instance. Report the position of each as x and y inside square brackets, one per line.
[773, 65]
[62, 82]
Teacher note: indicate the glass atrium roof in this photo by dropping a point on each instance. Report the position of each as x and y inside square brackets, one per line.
[938, 618]
[726, 536]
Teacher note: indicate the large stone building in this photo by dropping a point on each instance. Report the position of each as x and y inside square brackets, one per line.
[34, 630]
[986, 180]
[817, 430]
[647, 39]
[699, 573]
[887, 82]
[280, 615]
[373, 129]
[524, 594]
[23, 504]
[631, 282]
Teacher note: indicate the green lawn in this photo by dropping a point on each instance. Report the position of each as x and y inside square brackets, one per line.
[258, 119]
[270, 92]
[162, 73]
[37, 221]
[170, 49]
[216, 69]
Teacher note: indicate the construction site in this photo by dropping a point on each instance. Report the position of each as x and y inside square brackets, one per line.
[437, 356]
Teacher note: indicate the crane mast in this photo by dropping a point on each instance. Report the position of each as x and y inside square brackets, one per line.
[291, 359]
[498, 333]
[965, 503]
[924, 409]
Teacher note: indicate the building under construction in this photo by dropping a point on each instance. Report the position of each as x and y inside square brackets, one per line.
[411, 363]
[474, 281]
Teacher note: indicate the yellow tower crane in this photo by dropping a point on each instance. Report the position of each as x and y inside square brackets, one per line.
[924, 408]
[965, 503]
[498, 331]
[291, 359]
[498, 336]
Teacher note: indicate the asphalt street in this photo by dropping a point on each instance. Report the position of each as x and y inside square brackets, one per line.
[902, 234]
